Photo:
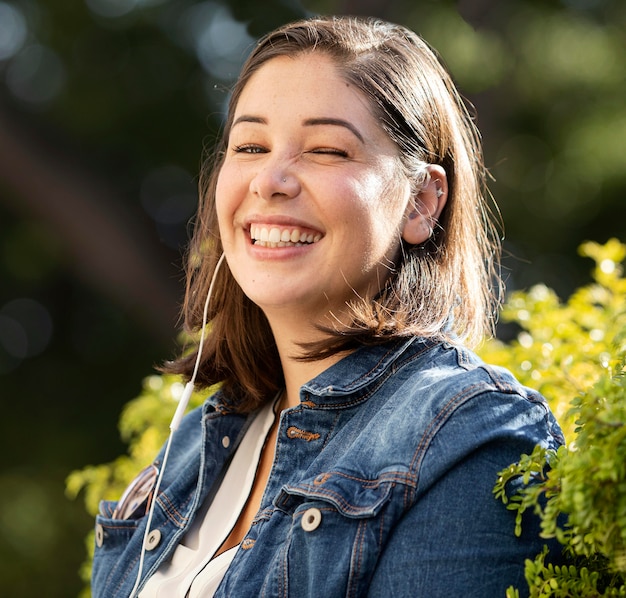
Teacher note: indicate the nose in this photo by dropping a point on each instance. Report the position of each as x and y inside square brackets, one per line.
[275, 180]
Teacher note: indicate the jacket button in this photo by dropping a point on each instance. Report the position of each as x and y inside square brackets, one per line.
[226, 442]
[99, 535]
[311, 519]
[154, 539]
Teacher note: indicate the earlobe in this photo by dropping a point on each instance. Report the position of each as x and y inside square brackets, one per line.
[425, 208]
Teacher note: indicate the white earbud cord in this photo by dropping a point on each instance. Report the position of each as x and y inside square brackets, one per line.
[178, 416]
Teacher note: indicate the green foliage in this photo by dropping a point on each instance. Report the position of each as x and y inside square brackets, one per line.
[563, 349]
[552, 581]
[579, 491]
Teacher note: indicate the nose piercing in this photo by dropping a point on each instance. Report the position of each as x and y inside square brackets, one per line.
[284, 179]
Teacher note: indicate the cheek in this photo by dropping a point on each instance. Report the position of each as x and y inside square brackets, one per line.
[387, 222]
[224, 199]
[385, 200]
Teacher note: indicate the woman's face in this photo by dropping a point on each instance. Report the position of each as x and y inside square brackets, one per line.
[311, 198]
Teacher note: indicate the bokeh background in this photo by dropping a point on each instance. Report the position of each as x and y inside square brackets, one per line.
[105, 109]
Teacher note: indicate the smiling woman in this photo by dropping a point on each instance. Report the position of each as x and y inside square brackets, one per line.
[354, 441]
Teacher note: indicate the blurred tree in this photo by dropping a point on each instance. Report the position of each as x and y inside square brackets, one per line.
[548, 83]
[105, 106]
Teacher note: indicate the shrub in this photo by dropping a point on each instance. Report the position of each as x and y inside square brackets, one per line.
[575, 350]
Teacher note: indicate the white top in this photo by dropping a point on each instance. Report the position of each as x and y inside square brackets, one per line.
[192, 571]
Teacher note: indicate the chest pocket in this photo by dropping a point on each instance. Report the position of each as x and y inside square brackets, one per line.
[351, 496]
[339, 525]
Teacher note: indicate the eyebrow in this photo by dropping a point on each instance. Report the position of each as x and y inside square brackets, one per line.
[309, 122]
[337, 122]
[246, 118]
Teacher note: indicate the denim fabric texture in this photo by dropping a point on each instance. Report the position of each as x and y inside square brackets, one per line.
[381, 486]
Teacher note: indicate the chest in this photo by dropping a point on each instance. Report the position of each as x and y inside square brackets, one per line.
[253, 503]
[309, 517]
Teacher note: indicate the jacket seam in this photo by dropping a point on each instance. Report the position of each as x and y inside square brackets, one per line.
[436, 423]
[356, 560]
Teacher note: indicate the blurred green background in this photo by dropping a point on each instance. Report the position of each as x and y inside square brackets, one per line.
[105, 108]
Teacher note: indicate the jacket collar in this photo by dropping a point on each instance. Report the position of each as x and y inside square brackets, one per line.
[352, 374]
[364, 366]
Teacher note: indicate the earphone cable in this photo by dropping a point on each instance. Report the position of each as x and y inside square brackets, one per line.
[178, 416]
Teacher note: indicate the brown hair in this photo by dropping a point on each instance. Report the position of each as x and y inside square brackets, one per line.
[443, 288]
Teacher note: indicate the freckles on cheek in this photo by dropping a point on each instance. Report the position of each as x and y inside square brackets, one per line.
[223, 209]
[230, 191]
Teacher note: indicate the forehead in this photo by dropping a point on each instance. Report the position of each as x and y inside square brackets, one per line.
[306, 82]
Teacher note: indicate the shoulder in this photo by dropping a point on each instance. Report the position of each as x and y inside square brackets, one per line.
[460, 406]
[445, 377]
[435, 361]
[444, 404]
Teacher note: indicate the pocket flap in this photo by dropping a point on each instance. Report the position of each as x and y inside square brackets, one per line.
[352, 496]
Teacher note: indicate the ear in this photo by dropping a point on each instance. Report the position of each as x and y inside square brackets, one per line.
[425, 208]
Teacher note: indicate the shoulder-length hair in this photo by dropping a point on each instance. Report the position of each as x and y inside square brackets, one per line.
[448, 287]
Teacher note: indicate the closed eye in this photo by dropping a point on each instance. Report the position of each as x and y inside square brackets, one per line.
[330, 151]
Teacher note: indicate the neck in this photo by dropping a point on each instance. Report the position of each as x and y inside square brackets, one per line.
[288, 337]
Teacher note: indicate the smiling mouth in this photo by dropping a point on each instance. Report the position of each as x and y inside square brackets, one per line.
[274, 236]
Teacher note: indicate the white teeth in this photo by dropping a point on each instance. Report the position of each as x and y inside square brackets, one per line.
[274, 235]
[277, 237]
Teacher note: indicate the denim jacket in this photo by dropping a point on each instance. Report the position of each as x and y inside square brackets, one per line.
[381, 485]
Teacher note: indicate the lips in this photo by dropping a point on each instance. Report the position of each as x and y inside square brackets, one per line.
[280, 236]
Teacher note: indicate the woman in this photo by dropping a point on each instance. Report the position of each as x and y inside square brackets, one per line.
[354, 442]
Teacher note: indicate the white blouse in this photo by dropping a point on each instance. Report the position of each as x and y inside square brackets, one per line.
[192, 571]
